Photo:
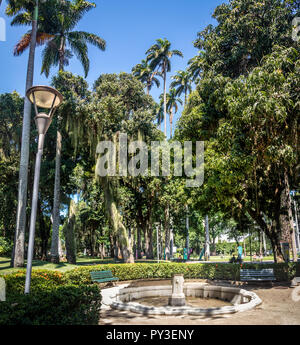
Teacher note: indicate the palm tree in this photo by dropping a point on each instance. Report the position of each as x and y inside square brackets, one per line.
[182, 83]
[172, 106]
[17, 9]
[159, 56]
[146, 75]
[195, 66]
[160, 113]
[56, 31]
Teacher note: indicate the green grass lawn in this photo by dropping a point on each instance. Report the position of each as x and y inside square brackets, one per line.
[85, 261]
[62, 267]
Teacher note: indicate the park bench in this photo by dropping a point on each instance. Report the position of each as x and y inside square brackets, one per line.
[103, 276]
[266, 274]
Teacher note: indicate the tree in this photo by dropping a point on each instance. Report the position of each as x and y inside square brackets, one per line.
[30, 10]
[117, 105]
[246, 31]
[159, 57]
[237, 49]
[172, 106]
[252, 157]
[195, 67]
[74, 90]
[146, 75]
[182, 84]
[11, 109]
[58, 34]
[56, 31]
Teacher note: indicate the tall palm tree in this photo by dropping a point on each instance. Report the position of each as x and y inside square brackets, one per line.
[16, 9]
[159, 57]
[172, 106]
[146, 75]
[182, 83]
[56, 32]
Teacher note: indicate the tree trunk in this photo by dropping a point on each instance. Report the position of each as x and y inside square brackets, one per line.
[286, 218]
[207, 251]
[264, 243]
[165, 101]
[171, 123]
[116, 221]
[44, 233]
[69, 230]
[56, 206]
[167, 232]
[19, 242]
[187, 241]
[139, 243]
[112, 246]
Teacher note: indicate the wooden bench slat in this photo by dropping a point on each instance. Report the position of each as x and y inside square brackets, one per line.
[102, 276]
[258, 275]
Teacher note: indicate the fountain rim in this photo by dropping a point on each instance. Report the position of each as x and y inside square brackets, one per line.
[253, 300]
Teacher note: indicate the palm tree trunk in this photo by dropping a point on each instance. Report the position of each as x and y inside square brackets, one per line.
[56, 206]
[165, 100]
[19, 242]
[171, 123]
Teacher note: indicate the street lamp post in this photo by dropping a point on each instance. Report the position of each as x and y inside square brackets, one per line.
[44, 97]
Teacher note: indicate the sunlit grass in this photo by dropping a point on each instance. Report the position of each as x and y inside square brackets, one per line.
[62, 266]
[86, 261]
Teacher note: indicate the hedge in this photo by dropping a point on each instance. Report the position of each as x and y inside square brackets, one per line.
[52, 301]
[224, 271]
[70, 299]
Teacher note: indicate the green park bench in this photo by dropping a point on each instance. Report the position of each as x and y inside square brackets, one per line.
[102, 276]
[266, 274]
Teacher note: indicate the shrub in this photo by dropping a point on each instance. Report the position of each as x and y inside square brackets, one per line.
[40, 280]
[5, 246]
[283, 272]
[61, 305]
[52, 301]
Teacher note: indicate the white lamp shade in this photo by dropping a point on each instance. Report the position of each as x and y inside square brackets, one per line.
[44, 96]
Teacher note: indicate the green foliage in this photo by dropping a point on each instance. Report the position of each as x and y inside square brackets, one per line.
[5, 246]
[61, 305]
[52, 300]
[223, 271]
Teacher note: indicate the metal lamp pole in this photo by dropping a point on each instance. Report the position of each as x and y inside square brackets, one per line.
[50, 98]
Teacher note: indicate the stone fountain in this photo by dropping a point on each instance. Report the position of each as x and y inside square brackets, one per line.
[177, 298]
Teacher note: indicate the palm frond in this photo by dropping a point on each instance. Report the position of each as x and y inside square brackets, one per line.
[81, 51]
[89, 38]
[24, 43]
[50, 57]
[21, 19]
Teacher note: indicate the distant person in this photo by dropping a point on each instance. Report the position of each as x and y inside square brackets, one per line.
[232, 260]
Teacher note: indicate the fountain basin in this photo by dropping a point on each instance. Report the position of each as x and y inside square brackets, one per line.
[241, 300]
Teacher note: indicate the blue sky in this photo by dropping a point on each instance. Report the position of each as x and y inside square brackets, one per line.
[129, 28]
